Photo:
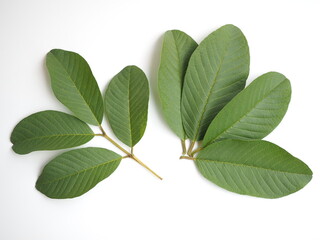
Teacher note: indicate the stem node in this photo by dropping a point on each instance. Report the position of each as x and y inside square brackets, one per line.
[129, 155]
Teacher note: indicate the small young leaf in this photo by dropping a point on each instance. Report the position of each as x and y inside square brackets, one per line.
[49, 130]
[75, 86]
[74, 173]
[257, 168]
[176, 51]
[126, 104]
[217, 71]
[254, 112]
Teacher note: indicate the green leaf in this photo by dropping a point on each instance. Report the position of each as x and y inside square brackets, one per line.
[74, 173]
[257, 168]
[254, 112]
[75, 86]
[217, 71]
[49, 130]
[126, 104]
[176, 51]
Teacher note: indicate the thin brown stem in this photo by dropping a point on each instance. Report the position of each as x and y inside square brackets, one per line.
[183, 145]
[145, 166]
[197, 150]
[186, 157]
[128, 154]
[115, 144]
[191, 148]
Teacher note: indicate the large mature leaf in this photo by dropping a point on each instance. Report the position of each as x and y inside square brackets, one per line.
[49, 130]
[256, 168]
[176, 51]
[73, 173]
[254, 112]
[217, 71]
[75, 86]
[126, 104]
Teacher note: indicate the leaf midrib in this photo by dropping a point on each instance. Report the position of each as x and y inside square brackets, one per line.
[55, 135]
[250, 166]
[79, 172]
[211, 90]
[129, 108]
[75, 86]
[250, 110]
[181, 83]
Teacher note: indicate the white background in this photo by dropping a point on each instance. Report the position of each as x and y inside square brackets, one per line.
[132, 204]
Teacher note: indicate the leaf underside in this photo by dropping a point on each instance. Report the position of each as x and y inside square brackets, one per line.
[177, 48]
[73, 173]
[254, 112]
[74, 85]
[126, 104]
[256, 168]
[49, 130]
[217, 71]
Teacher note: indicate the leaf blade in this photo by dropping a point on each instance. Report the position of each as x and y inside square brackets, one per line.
[126, 104]
[217, 71]
[175, 54]
[254, 112]
[256, 168]
[74, 173]
[49, 130]
[74, 85]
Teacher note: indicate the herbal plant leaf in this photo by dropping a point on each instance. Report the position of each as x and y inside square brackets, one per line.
[75, 86]
[49, 130]
[217, 71]
[254, 112]
[257, 168]
[176, 51]
[73, 173]
[126, 104]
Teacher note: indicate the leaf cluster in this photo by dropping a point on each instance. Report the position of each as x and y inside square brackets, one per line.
[204, 99]
[125, 104]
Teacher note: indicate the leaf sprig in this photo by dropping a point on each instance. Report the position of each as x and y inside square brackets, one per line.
[203, 99]
[75, 172]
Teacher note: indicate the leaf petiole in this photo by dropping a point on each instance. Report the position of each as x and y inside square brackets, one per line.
[197, 150]
[129, 155]
[188, 158]
[183, 145]
[191, 147]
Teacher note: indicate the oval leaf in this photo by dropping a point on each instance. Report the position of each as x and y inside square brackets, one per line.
[176, 51]
[254, 112]
[73, 173]
[126, 104]
[257, 168]
[217, 71]
[49, 130]
[75, 86]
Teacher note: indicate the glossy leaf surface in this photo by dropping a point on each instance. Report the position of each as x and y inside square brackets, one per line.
[49, 130]
[256, 168]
